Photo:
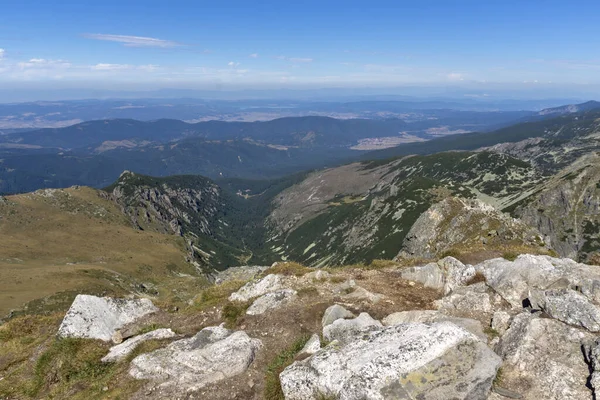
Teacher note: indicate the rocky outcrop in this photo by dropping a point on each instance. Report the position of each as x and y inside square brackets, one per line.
[516, 280]
[269, 283]
[465, 224]
[270, 301]
[312, 345]
[543, 359]
[122, 350]
[213, 354]
[447, 274]
[431, 316]
[344, 330]
[92, 317]
[406, 361]
[333, 313]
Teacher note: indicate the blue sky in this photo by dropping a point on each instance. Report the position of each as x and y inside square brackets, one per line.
[255, 44]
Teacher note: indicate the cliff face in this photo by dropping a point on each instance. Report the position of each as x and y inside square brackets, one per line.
[467, 225]
[566, 209]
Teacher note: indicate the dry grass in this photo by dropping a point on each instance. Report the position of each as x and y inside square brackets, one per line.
[216, 295]
[288, 269]
[76, 241]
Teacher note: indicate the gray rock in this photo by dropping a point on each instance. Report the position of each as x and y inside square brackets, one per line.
[344, 330]
[456, 273]
[501, 322]
[334, 313]
[121, 351]
[360, 293]
[594, 361]
[318, 275]
[213, 354]
[92, 317]
[407, 361]
[514, 280]
[270, 301]
[473, 300]
[269, 283]
[431, 316]
[446, 275]
[543, 359]
[430, 275]
[312, 346]
[568, 306]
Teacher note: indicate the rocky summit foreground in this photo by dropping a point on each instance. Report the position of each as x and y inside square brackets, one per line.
[501, 329]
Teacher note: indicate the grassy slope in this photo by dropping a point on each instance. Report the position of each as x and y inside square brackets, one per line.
[75, 240]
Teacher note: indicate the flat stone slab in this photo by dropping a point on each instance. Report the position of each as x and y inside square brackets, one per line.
[213, 354]
[92, 317]
[440, 361]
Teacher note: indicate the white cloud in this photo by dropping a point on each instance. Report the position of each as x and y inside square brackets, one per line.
[455, 76]
[253, 55]
[300, 60]
[2, 53]
[133, 41]
[41, 63]
[233, 64]
[110, 67]
[295, 59]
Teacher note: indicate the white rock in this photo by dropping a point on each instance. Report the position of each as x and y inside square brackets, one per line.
[456, 273]
[430, 275]
[514, 280]
[468, 300]
[501, 322]
[318, 275]
[344, 330]
[543, 359]
[270, 301]
[312, 346]
[431, 316]
[568, 306]
[213, 354]
[92, 317]
[121, 351]
[334, 313]
[269, 283]
[408, 361]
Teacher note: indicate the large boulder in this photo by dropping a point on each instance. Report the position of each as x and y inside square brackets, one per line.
[543, 359]
[430, 275]
[213, 354]
[250, 290]
[92, 317]
[122, 350]
[514, 280]
[270, 301]
[446, 275]
[568, 306]
[431, 316]
[474, 301]
[344, 330]
[408, 361]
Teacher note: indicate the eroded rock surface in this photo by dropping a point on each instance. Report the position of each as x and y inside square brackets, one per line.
[92, 317]
[270, 301]
[544, 359]
[269, 283]
[406, 361]
[213, 354]
[121, 351]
